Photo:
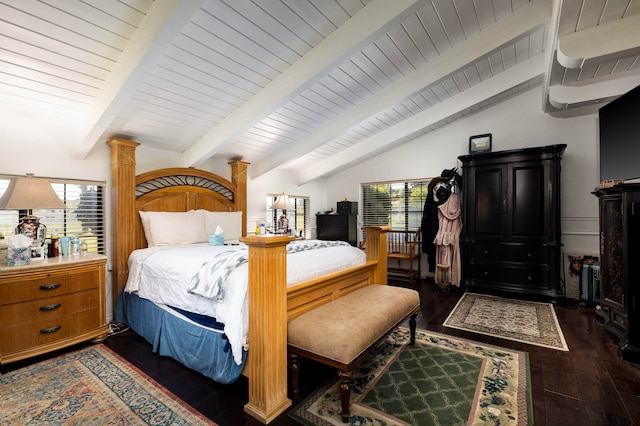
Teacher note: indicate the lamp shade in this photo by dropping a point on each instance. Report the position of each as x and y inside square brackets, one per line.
[282, 203]
[28, 192]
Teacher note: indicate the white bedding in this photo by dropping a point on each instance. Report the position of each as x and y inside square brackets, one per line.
[163, 275]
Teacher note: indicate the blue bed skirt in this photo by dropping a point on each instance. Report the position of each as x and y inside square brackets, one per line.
[201, 349]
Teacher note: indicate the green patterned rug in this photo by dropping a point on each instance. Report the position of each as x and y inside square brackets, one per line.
[534, 323]
[90, 386]
[442, 380]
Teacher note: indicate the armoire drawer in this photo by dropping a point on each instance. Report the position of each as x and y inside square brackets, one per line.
[510, 253]
[521, 275]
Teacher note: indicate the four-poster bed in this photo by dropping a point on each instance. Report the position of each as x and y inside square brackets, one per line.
[270, 303]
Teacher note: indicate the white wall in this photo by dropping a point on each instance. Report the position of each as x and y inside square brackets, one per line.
[516, 123]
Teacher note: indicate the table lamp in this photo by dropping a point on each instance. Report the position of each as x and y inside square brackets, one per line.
[282, 203]
[28, 193]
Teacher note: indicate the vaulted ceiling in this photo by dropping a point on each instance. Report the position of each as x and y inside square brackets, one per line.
[307, 86]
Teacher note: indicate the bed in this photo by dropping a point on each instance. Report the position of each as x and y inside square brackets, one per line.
[270, 302]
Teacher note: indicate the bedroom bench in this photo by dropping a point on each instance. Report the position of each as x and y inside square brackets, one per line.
[341, 332]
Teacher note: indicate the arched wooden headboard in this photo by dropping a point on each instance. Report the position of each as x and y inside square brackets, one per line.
[170, 190]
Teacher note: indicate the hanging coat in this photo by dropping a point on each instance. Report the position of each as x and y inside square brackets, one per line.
[429, 226]
[447, 240]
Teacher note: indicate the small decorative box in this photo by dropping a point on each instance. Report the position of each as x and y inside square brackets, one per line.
[17, 256]
[37, 253]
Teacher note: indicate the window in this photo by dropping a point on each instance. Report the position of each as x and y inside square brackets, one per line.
[298, 215]
[84, 215]
[395, 204]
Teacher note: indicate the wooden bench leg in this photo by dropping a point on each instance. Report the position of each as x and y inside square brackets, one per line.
[412, 329]
[294, 375]
[345, 392]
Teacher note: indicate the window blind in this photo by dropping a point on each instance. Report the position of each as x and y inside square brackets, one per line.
[84, 215]
[395, 204]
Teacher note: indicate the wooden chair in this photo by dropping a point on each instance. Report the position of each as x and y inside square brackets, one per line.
[403, 249]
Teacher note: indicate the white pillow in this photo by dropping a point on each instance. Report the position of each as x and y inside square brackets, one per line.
[230, 222]
[173, 228]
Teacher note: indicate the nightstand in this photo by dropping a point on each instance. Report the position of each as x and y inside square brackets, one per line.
[50, 304]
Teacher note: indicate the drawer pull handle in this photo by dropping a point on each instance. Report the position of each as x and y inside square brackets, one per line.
[50, 286]
[530, 278]
[486, 252]
[49, 330]
[529, 255]
[50, 307]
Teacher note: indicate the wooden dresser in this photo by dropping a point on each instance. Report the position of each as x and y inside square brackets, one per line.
[51, 304]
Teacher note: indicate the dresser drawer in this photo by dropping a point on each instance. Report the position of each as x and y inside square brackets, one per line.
[48, 331]
[51, 308]
[510, 253]
[47, 285]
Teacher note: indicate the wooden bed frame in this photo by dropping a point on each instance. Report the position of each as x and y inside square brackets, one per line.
[271, 305]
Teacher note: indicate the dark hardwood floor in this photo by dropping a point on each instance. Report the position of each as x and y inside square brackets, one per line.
[590, 385]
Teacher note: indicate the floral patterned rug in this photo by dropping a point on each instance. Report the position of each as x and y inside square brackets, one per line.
[441, 380]
[89, 386]
[534, 323]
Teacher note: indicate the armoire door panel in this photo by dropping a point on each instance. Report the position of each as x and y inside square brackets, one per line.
[489, 201]
[528, 207]
[612, 251]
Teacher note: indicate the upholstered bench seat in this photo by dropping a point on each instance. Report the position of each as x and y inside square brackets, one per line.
[341, 332]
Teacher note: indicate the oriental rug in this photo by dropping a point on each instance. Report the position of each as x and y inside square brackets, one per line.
[441, 380]
[89, 386]
[534, 323]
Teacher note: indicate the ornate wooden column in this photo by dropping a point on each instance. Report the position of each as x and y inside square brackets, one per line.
[123, 210]
[267, 357]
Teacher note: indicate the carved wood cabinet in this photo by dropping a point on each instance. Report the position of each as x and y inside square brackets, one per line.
[619, 275]
[511, 221]
[51, 304]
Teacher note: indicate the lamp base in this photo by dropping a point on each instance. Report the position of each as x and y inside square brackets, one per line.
[283, 224]
[31, 227]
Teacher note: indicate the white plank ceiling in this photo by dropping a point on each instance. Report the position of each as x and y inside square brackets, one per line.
[307, 86]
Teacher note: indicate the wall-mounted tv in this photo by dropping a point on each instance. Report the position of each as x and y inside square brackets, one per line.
[620, 137]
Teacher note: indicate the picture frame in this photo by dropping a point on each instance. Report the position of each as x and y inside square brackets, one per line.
[480, 143]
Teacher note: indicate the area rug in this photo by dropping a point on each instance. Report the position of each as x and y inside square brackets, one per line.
[441, 380]
[90, 386]
[534, 323]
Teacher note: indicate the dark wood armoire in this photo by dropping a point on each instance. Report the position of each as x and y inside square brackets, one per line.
[510, 238]
[619, 273]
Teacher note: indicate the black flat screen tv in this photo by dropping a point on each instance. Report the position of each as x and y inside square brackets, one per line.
[620, 137]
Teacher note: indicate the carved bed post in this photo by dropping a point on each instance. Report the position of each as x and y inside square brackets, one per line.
[376, 246]
[123, 211]
[239, 178]
[267, 357]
